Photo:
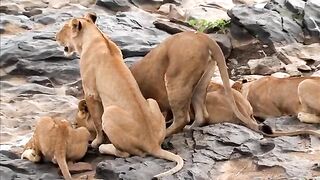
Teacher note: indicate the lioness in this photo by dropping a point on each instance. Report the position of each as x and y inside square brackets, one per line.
[133, 124]
[272, 97]
[176, 74]
[57, 141]
[218, 108]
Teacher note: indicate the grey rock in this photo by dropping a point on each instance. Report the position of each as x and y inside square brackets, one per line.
[10, 9]
[46, 20]
[296, 6]
[40, 80]
[12, 167]
[245, 46]
[114, 5]
[267, 25]
[224, 42]
[133, 32]
[304, 67]
[171, 27]
[264, 66]
[32, 12]
[20, 21]
[27, 90]
[131, 60]
[311, 21]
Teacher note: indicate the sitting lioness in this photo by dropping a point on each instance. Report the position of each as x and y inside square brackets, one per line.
[57, 141]
[134, 125]
[272, 97]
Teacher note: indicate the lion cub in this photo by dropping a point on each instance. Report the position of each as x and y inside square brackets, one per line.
[56, 141]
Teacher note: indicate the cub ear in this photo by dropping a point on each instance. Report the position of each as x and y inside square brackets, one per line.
[91, 16]
[82, 106]
[76, 26]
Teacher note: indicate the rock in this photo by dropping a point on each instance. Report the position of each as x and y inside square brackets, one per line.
[150, 5]
[311, 21]
[131, 60]
[295, 6]
[45, 20]
[171, 27]
[12, 167]
[280, 75]
[267, 25]
[224, 42]
[40, 80]
[292, 70]
[13, 24]
[10, 9]
[304, 67]
[264, 66]
[33, 12]
[114, 5]
[245, 46]
[133, 32]
[207, 13]
[172, 11]
[57, 4]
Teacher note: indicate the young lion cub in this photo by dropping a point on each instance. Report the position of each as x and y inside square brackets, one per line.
[57, 141]
[134, 125]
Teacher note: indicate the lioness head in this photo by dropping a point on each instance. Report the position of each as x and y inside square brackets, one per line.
[71, 31]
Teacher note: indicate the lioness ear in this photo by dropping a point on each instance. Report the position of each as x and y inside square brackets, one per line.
[92, 16]
[82, 106]
[76, 26]
[237, 86]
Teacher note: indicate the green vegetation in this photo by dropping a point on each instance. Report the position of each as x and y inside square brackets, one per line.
[203, 25]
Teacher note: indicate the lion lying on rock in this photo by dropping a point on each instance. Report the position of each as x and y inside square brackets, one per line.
[218, 108]
[134, 125]
[297, 96]
[56, 141]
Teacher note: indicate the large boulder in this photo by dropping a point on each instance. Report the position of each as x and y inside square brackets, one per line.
[267, 25]
[311, 21]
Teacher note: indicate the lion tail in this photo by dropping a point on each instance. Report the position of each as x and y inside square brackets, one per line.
[171, 157]
[217, 55]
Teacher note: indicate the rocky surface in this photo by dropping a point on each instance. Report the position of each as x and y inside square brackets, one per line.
[37, 80]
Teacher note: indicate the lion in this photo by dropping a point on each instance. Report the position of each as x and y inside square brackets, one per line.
[134, 125]
[218, 108]
[56, 141]
[296, 96]
[176, 74]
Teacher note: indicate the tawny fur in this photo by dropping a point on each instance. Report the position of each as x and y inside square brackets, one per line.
[56, 141]
[176, 74]
[134, 125]
[297, 96]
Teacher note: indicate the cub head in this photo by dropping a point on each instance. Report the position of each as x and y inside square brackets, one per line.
[31, 155]
[82, 115]
[70, 34]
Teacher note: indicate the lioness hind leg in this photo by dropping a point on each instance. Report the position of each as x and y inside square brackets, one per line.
[179, 100]
[111, 150]
[199, 96]
[96, 110]
[308, 118]
[123, 131]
